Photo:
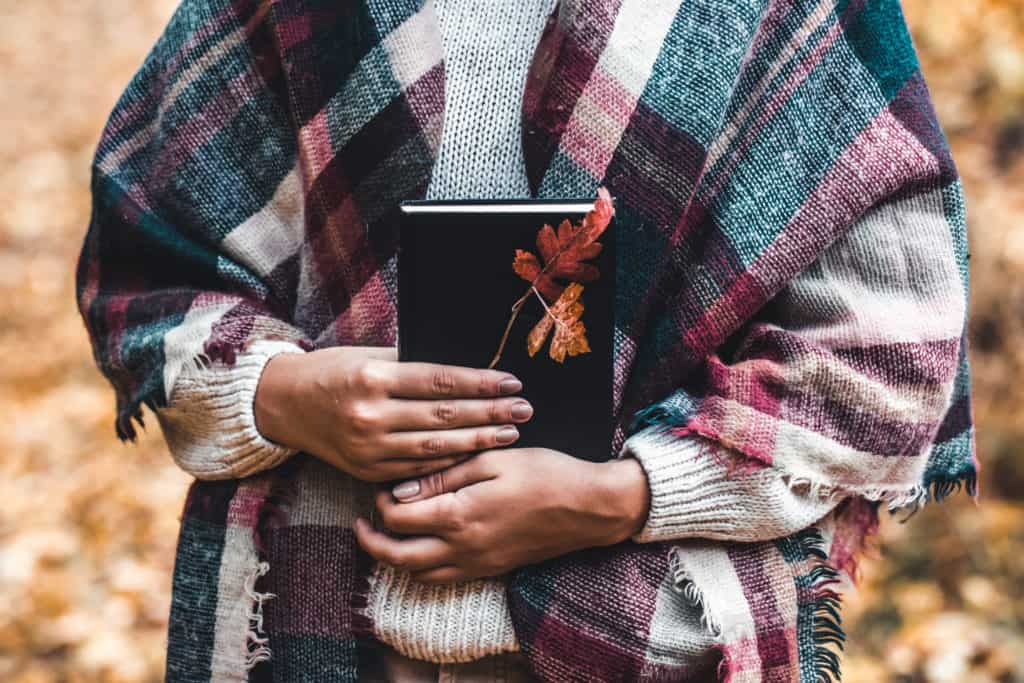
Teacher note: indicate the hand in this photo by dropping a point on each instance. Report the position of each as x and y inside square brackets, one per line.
[362, 411]
[501, 510]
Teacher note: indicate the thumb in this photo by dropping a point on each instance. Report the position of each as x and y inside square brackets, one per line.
[451, 479]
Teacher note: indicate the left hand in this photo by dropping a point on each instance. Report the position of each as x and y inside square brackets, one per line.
[503, 509]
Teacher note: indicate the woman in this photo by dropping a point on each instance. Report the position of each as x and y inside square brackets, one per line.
[789, 349]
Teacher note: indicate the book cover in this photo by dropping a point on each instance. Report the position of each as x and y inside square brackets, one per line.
[527, 285]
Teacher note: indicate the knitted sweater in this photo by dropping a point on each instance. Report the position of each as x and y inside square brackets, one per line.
[211, 429]
[793, 280]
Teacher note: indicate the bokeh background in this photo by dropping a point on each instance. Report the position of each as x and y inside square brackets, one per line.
[88, 526]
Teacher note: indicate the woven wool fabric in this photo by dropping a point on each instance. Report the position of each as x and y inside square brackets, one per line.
[792, 260]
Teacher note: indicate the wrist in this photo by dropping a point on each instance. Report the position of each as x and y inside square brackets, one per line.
[623, 492]
[276, 395]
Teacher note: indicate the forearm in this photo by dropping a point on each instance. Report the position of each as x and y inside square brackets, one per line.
[356, 408]
[503, 509]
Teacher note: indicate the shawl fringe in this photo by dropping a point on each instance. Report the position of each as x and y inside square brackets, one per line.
[824, 607]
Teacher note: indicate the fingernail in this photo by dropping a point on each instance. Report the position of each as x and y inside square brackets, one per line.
[510, 386]
[507, 435]
[407, 489]
[522, 411]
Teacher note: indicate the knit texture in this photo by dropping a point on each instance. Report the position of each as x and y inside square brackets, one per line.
[746, 145]
[699, 490]
[209, 422]
[451, 623]
[487, 47]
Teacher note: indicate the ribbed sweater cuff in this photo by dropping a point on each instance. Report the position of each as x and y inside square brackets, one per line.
[698, 492]
[210, 424]
[455, 622]
[685, 485]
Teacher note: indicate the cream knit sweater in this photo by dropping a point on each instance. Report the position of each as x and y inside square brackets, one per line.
[210, 427]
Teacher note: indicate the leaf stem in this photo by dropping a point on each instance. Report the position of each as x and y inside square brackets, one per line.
[516, 307]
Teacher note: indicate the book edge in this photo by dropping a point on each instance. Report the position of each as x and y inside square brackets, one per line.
[526, 207]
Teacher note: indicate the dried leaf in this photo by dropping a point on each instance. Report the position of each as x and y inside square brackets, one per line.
[564, 316]
[528, 267]
[564, 255]
[564, 252]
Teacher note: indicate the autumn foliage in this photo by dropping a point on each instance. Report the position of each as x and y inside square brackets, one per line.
[556, 280]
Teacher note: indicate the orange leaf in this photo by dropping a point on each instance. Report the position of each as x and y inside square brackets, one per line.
[528, 267]
[538, 335]
[564, 316]
[597, 219]
[547, 242]
[556, 278]
[569, 340]
[564, 252]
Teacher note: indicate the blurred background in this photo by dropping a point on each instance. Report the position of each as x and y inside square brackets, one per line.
[88, 526]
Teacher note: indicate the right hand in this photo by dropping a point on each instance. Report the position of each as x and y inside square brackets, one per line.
[359, 409]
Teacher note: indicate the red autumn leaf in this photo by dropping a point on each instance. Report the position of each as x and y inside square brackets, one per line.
[564, 316]
[564, 252]
[556, 281]
[569, 263]
[528, 267]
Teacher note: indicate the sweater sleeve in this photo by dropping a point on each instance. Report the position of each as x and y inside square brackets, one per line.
[699, 489]
[186, 280]
[835, 389]
[209, 423]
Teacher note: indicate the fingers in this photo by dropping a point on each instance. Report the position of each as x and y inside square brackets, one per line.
[446, 442]
[411, 554]
[432, 381]
[403, 414]
[410, 468]
[472, 471]
[377, 352]
[437, 516]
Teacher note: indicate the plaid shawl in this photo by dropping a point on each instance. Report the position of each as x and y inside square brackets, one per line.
[743, 141]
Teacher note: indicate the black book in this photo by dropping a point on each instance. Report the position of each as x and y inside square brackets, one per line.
[456, 290]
